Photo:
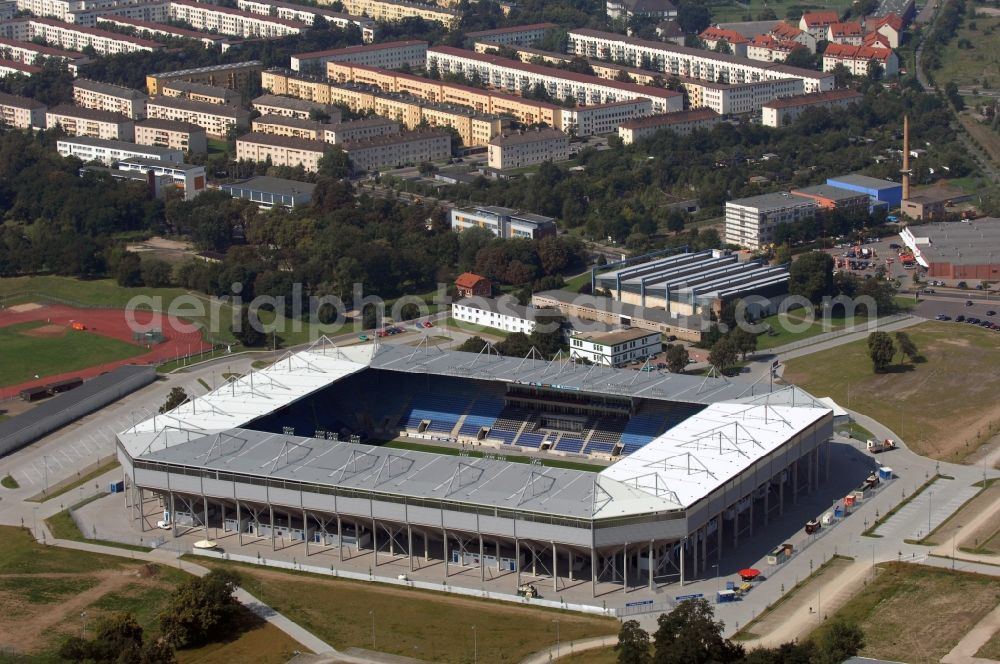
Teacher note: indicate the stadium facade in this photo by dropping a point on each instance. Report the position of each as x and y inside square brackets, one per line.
[695, 462]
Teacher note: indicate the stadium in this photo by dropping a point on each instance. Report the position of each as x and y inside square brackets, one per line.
[682, 465]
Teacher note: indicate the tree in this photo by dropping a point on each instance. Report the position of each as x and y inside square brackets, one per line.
[839, 642]
[690, 635]
[128, 271]
[176, 397]
[633, 644]
[517, 344]
[723, 354]
[677, 358]
[675, 220]
[472, 345]
[118, 639]
[782, 255]
[811, 276]
[249, 333]
[906, 346]
[881, 350]
[156, 272]
[201, 608]
[744, 341]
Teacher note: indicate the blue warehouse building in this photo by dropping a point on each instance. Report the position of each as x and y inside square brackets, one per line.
[883, 193]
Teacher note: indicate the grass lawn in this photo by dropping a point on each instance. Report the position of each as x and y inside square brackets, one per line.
[454, 451]
[856, 431]
[991, 649]
[472, 328]
[943, 407]
[596, 656]
[8, 482]
[985, 136]
[729, 10]
[574, 284]
[791, 327]
[975, 67]
[26, 356]
[917, 614]
[217, 146]
[48, 593]
[421, 624]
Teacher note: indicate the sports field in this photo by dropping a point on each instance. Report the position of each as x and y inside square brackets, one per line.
[49, 593]
[887, 610]
[943, 407]
[40, 349]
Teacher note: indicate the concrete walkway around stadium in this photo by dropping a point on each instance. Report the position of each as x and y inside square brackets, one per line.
[570, 648]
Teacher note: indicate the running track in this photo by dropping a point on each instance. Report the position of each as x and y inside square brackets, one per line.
[109, 323]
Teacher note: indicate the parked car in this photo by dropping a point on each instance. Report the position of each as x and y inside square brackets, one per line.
[427, 323]
[959, 318]
[968, 303]
[991, 313]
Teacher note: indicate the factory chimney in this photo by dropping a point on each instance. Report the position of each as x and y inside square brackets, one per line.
[906, 157]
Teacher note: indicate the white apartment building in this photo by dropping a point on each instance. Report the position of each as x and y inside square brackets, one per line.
[61, 9]
[397, 10]
[750, 222]
[21, 112]
[615, 348]
[307, 14]
[76, 37]
[359, 130]
[107, 97]
[687, 62]
[77, 121]
[11, 67]
[215, 119]
[293, 107]
[603, 118]
[516, 76]
[233, 22]
[528, 147]
[768, 49]
[184, 136]
[682, 122]
[157, 12]
[387, 55]
[394, 150]
[280, 125]
[780, 112]
[745, 98]
[151, 30]
[29, 53]
[206, 94]
[502, 313]
[281, 150]
[515, 35]
[87, 149]
[858, 58]
[189, 178]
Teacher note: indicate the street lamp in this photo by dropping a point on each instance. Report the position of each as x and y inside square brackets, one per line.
[558, 639]
[930, 497]
[372, 614]
[475, 646]
[953, 546]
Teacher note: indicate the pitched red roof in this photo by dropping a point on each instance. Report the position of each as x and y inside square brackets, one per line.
[877, 39]
[784, 30]
[892, 20]
[713, 33]
[468, 280]
[820, 18]
[852, 29]
[850, 52]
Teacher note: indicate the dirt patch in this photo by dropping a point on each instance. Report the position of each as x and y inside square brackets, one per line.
[34, 625]
[23, 308]
[45, 331]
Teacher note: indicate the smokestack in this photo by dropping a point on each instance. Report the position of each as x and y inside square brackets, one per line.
[906, 157]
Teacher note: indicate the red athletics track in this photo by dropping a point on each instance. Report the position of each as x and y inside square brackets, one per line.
[109, 323]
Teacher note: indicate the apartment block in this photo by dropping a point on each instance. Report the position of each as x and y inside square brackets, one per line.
[30, 52]
[21, 112]
[515, 35]
[61, 9]
[184, 136]
[529, 147]
[603, 118]
[682, 122]
[307, 14]
[750, 222]
[515, 76]
[107, 97]
[280, 125]
[189, 178]
[206, 94]
[236, 76]
[693, 63]
[397, 10]
[850, 33]
[281, 150]
[713, 35]
[215, 119]
[293, 107]
[395, 150]
[88, 149]
[77, 38]
[858, 59]
[360, 130]
[768, 49]
[503, 222]
[781, 112]
[233, 22]
[158, 12]
[77, 121]
[151, 30]
[12, 67]
[387, 55]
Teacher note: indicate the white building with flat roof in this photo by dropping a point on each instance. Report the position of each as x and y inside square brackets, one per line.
[233, 22]
[750, 222]
[308, 13]
[503, 313]
[387, 55]
[524, 148]
[189, 178]
[21, 112]
[87, 149]
[615, 348]
[107, 97]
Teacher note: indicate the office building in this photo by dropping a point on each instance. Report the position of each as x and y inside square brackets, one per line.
[189, 178]
[751, 222]
[616, 348]
[503, 222]
[268, 192]
[782, 112]
[239, 76]
[88, 149]
[682, 122]
[77, 121]
[21, 112]
[216, 119]
[189, 138]
[387, 55]
[524, 148]
[111, 98]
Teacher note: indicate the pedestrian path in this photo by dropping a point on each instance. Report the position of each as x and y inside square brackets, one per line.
[927, 511]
